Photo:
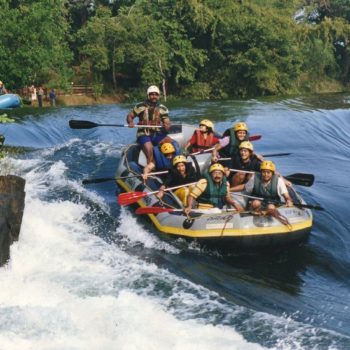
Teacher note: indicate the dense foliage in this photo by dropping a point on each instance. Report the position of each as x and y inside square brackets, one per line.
[201, 48]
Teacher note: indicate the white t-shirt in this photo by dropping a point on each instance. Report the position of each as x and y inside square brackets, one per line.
[281, 187]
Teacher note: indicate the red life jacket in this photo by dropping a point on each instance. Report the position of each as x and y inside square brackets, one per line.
[201, 143]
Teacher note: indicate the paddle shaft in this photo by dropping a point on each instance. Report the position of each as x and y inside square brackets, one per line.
[264, 155]
[300, 205]
[105, 179]
[86, 124]
[158, 210]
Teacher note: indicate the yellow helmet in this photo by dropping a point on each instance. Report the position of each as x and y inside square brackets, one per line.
[167, 148]
[247, 145]
[268, 165]
[1, 82]
[216, 166]
[207, 123]
[240, 126]
[179, 159]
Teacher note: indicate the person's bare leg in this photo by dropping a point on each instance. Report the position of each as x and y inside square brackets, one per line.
[148, 150]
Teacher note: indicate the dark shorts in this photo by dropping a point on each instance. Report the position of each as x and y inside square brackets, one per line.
[154, 139]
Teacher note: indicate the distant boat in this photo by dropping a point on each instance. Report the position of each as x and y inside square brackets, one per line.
[9, 101]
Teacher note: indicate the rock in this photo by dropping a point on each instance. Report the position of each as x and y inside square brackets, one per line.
[12, 197]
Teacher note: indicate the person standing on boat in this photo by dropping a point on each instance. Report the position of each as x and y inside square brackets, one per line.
[267, 185]
[181, 173]
[246, 160]
[212, 191]
[203, 138]
[150, 112]
[228, 147]
[163, 156]
[3, 90]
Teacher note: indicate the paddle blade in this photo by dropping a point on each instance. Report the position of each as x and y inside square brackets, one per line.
[97, 181]
[254, 137]
[130, 197]
[153, 210]
[301, 179]
[82, 124]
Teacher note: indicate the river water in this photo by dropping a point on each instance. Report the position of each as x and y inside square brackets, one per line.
[86, 274]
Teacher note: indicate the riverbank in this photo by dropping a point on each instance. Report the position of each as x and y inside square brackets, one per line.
[81, 100]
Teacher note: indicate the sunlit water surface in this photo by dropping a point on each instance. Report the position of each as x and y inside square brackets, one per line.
[86, 274]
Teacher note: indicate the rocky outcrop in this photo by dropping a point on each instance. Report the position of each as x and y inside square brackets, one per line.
[12, 197]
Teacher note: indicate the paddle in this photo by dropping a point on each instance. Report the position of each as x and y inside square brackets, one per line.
[105, 179]
[300, 179]
[298, 205]
[158, 210]
[133, 197]
[264, 155]
[85, 124]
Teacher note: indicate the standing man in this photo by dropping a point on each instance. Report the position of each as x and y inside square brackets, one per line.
[151, 112]
[3, 90]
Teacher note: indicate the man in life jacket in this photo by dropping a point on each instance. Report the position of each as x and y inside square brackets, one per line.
[150, 112]
[3, 90]
[203, 138]
[163, 156]
[246, 160]
[228, 147]
[267, 185]
[212, 191]
[181, 173]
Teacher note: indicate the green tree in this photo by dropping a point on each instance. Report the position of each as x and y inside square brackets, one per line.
[33, 44]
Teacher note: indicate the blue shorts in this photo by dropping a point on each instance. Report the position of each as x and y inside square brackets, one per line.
[155, 139]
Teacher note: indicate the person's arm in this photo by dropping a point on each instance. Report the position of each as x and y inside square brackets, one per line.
[130, 119]
[238, 188]
[166, 123]
[247, 187]
[197, 190]
[221, 144]
[160, 194]
[190, 142]
[283, 192]
[147, 169]
[230, 200]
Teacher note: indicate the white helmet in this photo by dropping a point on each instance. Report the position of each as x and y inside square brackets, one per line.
[153, 88]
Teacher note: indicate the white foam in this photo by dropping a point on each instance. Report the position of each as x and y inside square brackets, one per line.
[128, 223]
[67, 289]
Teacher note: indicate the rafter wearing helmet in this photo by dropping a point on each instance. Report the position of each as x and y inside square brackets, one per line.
[246, 160]
[150, 112]
[203, 138]
[212, 191]
[228, 147]
[268, 185]
[182, 172]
